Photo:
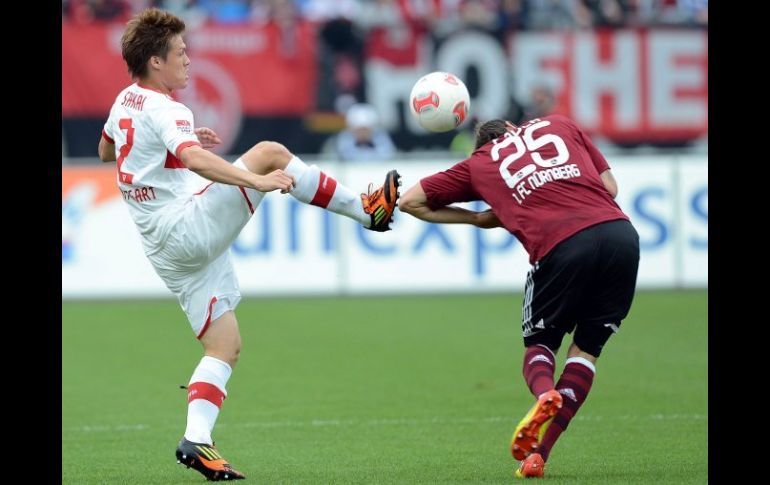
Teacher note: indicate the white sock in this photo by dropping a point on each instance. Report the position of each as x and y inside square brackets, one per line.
[583, 361]
[207, 391]
[315, 187]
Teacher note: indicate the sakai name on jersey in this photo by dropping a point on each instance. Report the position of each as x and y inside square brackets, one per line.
[133, 100]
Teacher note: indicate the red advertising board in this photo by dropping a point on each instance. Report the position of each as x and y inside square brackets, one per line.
[628, 85]
[259, 70]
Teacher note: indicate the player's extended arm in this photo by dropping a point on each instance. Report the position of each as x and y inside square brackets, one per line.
[217, 169]
[609, 183]
[106, 150]
[414, 202]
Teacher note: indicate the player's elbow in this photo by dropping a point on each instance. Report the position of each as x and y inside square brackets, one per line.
[612, 187]
[609, 183]
[106, 151]
[403, 204]
[193, 157]
[408, 203]
[105, 155]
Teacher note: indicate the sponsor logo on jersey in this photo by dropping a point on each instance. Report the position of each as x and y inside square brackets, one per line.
[184, 126]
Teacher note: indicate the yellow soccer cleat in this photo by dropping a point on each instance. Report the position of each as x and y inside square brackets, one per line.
[526, 438]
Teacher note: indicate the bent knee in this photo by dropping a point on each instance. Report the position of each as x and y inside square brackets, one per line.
[267, 155]
[228, 352]
[270, 148]
[229, 355]
[234, 355]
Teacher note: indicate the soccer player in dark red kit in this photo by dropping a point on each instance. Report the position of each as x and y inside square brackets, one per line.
[550, 187]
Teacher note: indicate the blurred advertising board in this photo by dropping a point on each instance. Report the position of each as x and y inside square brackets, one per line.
[255, 82]
[289, 248]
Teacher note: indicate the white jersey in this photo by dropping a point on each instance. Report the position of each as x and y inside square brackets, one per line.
[149, 130]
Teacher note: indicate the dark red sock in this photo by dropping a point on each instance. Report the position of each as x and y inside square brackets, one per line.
[538, 369]
[574, 386]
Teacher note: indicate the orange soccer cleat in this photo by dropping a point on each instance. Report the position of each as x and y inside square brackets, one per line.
[206, 459]
[533, 466]
[526, 438]
[381, 203]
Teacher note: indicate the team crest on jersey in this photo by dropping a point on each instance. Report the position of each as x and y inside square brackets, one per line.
[184, 126]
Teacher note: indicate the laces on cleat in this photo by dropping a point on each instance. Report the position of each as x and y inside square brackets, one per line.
[379, 204]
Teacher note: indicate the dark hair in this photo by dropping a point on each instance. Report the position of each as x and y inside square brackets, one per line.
[489, 130]
[146, 35]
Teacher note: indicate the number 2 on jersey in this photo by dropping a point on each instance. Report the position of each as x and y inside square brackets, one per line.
[531, 144]
[125, 124]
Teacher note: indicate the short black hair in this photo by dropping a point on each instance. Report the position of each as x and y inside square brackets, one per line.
[489, 130]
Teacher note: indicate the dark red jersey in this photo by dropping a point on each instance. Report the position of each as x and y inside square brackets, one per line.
[542, 181]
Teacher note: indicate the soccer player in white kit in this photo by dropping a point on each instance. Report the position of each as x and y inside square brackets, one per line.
[189, 206]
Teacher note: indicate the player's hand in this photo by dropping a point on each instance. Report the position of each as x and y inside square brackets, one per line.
[276, 180]
[207, 137]
[487, 220]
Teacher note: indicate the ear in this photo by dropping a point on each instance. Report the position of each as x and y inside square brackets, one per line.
[155, 62]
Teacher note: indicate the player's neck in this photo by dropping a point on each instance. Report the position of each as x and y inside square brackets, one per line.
[153, 85]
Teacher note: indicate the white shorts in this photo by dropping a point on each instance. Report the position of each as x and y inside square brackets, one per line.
[195, 261]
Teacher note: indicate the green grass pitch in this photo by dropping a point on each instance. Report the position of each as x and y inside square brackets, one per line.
[419, 389]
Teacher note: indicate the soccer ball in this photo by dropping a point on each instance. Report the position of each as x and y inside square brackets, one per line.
[439, 101]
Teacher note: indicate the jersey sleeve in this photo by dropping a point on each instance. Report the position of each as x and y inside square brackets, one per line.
[176, 128]
[449, 186]
[596, 156]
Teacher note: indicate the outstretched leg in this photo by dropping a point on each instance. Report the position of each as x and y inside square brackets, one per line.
[374, 210]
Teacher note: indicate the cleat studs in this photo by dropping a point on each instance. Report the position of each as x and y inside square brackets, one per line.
[520, 436]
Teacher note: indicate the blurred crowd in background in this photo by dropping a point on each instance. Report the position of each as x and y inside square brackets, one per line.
[343, 28]
[438, 16]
